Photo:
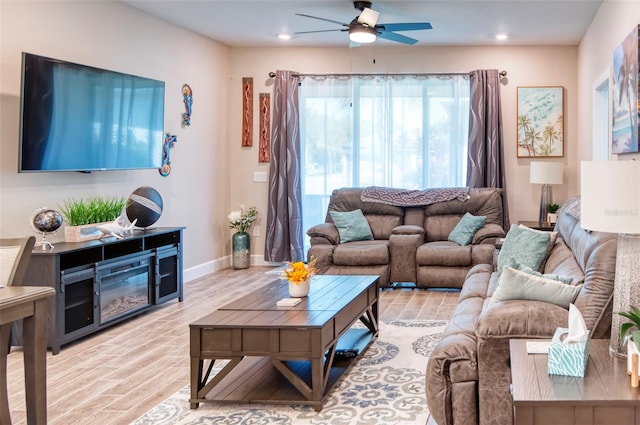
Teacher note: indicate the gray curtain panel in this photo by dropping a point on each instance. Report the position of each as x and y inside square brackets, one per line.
[283, 238]
[485, 165]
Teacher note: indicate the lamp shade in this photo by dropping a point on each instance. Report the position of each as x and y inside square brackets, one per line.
[545, 172]
[610, 196]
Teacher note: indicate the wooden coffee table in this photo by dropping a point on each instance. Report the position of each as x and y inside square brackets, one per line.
[283, 356]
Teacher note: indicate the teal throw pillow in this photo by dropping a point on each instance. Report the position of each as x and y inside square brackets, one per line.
[352, 226]
[517, 285]
[524, 246]
[552, 238]
[468, 225]
[560, 278]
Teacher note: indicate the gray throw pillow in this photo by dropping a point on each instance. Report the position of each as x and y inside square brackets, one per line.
[517, 285]
[524, 246]
[468, 225]
[352, 226]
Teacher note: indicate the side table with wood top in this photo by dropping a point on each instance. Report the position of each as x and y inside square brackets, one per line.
[603, 397]
[547, 227]
[30, 304]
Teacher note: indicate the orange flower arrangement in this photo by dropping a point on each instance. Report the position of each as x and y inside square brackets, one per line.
[299, 271]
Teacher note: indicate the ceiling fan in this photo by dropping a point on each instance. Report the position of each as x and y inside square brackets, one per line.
[364, 28]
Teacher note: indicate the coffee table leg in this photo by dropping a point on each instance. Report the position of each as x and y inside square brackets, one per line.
[370, 319]
[196, 374]
[196, 365]
[318, 381]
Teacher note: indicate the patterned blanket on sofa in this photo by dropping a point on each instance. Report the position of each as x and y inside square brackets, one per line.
[412, 198]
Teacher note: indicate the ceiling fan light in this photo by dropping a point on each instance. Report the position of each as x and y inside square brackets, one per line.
[362, 35]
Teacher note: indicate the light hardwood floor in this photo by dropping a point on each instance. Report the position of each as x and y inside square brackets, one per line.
[114, 376]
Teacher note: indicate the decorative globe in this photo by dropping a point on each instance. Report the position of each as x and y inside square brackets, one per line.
[46, 220]
[144, 205]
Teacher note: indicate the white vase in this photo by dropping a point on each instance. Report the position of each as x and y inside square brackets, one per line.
[631, 349]
[299, 290]
[552, 217]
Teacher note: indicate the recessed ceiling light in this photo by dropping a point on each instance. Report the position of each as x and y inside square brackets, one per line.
[284, 36]
[501, 37]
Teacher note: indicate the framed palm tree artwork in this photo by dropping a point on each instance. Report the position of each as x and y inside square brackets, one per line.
[540, 122]
[626, 101]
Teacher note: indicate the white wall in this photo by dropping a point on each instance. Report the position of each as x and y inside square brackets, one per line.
[613, 22]
[526, 66]
[212, 174]
[115, 36]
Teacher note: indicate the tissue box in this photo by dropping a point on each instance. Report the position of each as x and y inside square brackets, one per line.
[567, 359]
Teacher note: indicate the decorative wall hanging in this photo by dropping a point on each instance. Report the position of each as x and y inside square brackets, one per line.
[540, 122]
[187, 98]
[265, 127]
[169, 141]
[626, 96]
[247, 112]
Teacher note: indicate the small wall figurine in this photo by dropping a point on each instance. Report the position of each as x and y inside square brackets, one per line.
[169, 141]
[187, 98]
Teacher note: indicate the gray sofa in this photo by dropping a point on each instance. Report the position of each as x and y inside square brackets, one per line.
[468, 374]
[409, 242]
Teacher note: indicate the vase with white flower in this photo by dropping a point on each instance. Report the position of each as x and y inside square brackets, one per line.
[298, 274]
[241, 220]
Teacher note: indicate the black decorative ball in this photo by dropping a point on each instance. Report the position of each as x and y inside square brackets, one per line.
[47, 221]
[144, 205]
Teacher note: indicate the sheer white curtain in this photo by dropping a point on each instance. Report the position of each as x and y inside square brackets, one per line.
[404, 131]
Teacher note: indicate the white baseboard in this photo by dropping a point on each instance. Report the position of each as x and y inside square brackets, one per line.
[203, 269]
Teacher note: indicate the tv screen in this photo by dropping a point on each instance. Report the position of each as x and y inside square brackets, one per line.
[80, 118]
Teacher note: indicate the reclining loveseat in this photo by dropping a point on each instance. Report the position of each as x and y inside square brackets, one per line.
[410, 231]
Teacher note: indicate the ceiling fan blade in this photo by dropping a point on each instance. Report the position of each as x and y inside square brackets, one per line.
[309, 32]
[369, 17]
[407, 26]
[388, 35]
[322, 19]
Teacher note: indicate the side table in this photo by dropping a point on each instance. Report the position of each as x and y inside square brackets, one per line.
[603, 397]
[28, 303]
[547, 227]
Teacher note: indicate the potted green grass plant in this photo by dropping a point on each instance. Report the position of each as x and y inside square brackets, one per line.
[83, 215]
[552, 212]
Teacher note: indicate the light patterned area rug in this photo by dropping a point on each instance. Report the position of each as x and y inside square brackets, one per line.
[386, 386]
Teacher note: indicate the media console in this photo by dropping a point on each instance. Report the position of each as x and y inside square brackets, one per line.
[102, 282]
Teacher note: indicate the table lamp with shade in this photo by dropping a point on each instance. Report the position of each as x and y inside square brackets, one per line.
[546, 174]
[610, 202]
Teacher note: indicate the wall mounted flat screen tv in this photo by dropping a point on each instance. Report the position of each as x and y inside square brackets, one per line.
[80, 118]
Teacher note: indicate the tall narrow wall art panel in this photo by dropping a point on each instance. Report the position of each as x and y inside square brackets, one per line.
[247, 112]
[540, 122]
[265, 127]
[626, 94]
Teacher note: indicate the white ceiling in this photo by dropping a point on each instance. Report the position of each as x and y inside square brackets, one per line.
[455, 22]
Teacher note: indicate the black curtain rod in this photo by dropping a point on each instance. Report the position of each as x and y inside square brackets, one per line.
[295, 74]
